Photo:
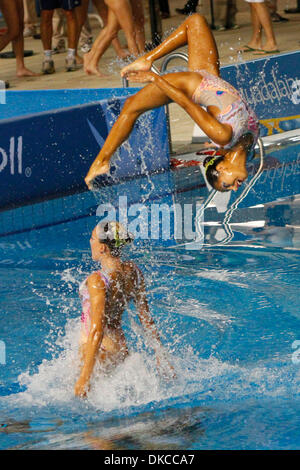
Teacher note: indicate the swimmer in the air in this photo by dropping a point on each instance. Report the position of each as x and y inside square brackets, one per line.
[227, 119]
[105, 295]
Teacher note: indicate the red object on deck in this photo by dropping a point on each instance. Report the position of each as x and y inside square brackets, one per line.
[177, 162]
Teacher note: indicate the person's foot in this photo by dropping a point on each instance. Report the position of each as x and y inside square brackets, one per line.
[79, 60]
[164, 15]
[48, 67]
[276, 18]
[90, 68]
[138, 65]
[97, 169]
[220, 27]
[266, 51]
[233, 26]
[24, 72]
[185, 11]
[71, 65]
[28, 32]
[248, 48]
[123, 54]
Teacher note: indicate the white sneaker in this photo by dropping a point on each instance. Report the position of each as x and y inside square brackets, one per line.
[48, 67]
[71, 65]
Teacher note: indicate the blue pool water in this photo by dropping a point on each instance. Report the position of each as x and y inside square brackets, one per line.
[227, 311]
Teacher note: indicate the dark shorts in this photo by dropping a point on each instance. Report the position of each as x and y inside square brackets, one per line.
[65, 4]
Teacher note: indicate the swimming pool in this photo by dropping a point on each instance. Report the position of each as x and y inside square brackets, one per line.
[227, 308]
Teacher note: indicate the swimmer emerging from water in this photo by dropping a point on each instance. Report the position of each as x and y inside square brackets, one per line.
[227, 120]
[105, 295]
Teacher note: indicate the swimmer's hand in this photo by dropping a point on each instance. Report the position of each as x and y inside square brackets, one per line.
[141, 77]
[80, 389]
[141, 64]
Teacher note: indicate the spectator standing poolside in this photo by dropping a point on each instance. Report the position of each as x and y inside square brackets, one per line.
[84, 30]
[48, 7]
[13, 13]
[261, 20]
[31, 20]
[120, 16]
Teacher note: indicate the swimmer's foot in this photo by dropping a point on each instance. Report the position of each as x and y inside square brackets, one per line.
[98, 168]
[139, 65]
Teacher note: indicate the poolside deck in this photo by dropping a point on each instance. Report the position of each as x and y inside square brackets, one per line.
[287, 35]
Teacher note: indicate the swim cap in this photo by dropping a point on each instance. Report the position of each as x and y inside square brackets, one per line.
[114, 234]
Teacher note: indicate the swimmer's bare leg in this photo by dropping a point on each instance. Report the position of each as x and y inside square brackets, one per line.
[149, 97]
[202, 49]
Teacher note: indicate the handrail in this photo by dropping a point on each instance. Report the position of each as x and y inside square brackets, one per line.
[174, 55]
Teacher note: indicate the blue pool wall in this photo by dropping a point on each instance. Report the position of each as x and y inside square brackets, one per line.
[46, 154]
[49, 138]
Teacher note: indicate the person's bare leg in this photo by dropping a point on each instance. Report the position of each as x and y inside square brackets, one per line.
[255, 41]
[80, 13]
[139, 21]
[72, 28]
[10, 12]
[18, 45]
[202, 49]
[104, 39]
[264, 17]
[47, 29]
[102, 9]
[147, 98]
[122, 10]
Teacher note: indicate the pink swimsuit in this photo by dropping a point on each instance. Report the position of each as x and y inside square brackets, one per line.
[213, 91]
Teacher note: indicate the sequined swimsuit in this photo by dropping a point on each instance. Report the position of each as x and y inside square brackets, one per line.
[213, 91]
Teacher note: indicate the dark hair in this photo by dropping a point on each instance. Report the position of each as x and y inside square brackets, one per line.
[110, 236]
[211, 172]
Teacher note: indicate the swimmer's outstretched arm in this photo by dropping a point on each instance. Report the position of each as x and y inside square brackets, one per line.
[96, 288]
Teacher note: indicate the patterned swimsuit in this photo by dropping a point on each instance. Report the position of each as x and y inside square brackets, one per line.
[213, 91]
